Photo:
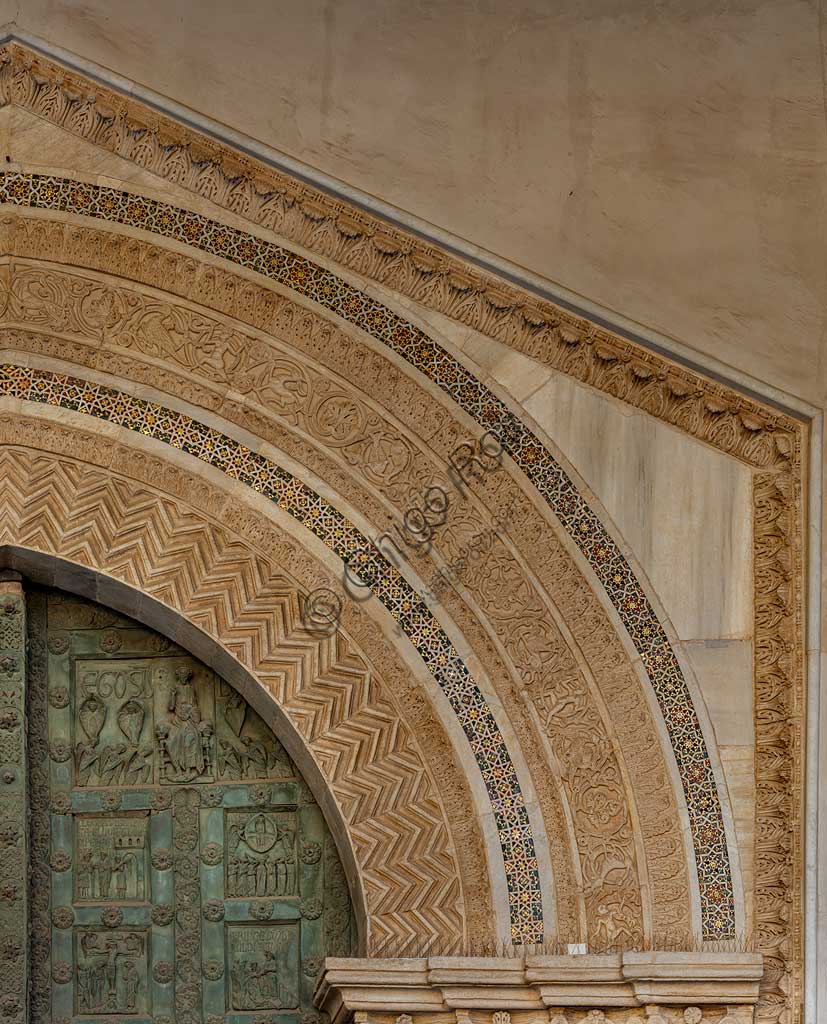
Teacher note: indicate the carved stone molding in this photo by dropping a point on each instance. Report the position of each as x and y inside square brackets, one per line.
[594, 784]
[14, 838]
[376, 249]
[157, 542]
[706, 410]
[98, 312]
[779, 737]
[790, 535]
[583, 526]
[559, 986]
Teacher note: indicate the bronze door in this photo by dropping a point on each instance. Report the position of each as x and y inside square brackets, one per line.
[180, 869]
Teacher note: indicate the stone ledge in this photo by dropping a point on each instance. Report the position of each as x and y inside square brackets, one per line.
[434, 985]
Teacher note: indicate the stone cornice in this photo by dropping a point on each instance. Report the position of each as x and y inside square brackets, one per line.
[377, 249]
[439, 984]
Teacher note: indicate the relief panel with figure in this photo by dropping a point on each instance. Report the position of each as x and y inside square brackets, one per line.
[261, 854]
[111, 972]
[112, 859]
[190, 873]
[113, 723]
[264, 971]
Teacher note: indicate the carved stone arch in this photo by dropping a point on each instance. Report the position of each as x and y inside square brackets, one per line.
[711, 411]
[600, 655]
[416, 844]
[630, 881]
[658, 853]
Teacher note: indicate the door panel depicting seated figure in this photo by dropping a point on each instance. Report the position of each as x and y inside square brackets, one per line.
[181, 869]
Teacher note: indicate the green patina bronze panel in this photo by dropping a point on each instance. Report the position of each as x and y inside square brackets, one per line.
[181, 869]
[13, 805]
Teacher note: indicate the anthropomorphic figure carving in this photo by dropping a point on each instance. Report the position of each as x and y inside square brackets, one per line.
[185, 740]
[129, 979]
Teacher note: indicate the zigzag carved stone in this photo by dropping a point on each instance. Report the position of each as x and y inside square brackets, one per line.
[398, 829]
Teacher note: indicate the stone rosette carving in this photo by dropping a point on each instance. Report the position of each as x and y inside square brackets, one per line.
[213, 970]
[163, 972]
[186, 838]
[214, 910]
[63, 917]
[61, 861]
[112, 917]
[110, 642]
[311, 852]
[61, 804]
[261, 910]
[161, 800]
[311, 965]
[162, 915]
[259, 794]
[58, 643]
[59, 697]
[161, 859]
[60, 751]
[111, 800]
[212, 854]
[62, 972]
[311, 908]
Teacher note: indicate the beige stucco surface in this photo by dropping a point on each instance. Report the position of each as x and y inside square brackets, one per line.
[666, 161]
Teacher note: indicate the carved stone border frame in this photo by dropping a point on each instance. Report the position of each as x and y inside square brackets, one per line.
[213, 559]
[710, 411]
[553, 485]
[649, 785]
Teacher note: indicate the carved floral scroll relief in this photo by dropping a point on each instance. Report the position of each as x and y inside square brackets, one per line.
[555, 487]
[428, 274]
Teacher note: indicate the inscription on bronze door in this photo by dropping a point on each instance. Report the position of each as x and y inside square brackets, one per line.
[180, 869]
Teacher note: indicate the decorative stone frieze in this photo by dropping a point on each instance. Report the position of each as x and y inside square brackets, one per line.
[361, 742]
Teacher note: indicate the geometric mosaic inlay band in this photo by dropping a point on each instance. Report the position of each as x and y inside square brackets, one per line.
[389, 586]
[529, 454]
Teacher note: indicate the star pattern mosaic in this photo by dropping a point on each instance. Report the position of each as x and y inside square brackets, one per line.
[368, 565]
[301, 275]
